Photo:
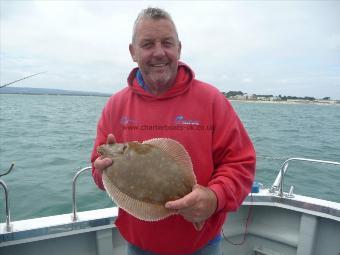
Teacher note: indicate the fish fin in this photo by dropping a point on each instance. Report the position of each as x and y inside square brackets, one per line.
[139, 209]
[176, 151]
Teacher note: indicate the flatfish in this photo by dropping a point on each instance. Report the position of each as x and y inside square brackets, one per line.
[144, 176]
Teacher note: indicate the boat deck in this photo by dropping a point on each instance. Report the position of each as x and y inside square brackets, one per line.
[269, 222]
[299, 225]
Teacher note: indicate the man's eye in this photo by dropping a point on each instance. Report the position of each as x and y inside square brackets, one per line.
[146, 45]
[168, 44]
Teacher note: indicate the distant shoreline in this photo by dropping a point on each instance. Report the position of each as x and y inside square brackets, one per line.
[281, 102]
[60, 92]
[52, 94]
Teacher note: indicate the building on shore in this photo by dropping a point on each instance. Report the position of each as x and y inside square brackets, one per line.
[239, 95]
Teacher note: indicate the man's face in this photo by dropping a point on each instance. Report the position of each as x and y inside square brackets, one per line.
[157, 50]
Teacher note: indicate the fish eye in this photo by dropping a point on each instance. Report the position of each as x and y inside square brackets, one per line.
[125, 146]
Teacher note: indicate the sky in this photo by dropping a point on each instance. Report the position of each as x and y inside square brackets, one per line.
[287, 48]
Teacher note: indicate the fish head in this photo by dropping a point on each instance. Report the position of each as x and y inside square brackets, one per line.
[123, 150]
[112, 150]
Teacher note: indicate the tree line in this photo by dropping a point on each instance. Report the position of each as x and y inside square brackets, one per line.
[230, 94]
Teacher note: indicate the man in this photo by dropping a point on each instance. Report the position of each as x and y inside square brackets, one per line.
[163, 99]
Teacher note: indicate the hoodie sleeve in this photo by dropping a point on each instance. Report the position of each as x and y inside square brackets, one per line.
[103, 129]
[233, 155]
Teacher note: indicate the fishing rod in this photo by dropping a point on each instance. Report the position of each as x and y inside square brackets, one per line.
[5, 85]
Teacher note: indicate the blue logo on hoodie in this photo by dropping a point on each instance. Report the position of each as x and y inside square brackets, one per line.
[125, 120]
[180, 119]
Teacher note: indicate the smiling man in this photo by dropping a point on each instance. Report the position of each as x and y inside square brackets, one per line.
[156, 48]
[164, 100]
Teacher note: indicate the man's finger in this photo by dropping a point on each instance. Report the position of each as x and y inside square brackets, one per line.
[111, 139]
[184, 202]
[102, 163]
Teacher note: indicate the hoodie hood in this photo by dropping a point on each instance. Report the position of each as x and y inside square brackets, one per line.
[183, 82]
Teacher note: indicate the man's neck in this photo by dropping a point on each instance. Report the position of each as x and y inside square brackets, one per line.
[159, 89]
[155, 88]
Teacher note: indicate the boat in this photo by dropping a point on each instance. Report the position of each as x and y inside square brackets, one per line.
[269, 222]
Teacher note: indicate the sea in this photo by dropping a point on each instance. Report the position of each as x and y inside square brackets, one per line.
[50, 137]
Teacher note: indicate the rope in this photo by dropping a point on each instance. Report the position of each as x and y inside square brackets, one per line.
[245, 227]
[250, 210]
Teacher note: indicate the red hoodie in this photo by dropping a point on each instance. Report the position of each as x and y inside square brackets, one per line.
[199, 117]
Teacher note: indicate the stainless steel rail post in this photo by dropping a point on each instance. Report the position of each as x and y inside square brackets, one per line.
[279, 181]
[8, 213]
[74, 205]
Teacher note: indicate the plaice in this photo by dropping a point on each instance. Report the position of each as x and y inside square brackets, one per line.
[144, 176]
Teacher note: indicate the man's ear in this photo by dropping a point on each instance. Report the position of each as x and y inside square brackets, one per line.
[179, 50]
[132, 52]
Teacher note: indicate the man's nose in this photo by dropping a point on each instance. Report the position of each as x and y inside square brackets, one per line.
[159, 51]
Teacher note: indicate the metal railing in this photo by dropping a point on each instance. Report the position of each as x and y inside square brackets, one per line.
[8, 213]
[277, 187]
[74, 202]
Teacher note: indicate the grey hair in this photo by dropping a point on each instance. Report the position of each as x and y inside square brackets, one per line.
[152, 13]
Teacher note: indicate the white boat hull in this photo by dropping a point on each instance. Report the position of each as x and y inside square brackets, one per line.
[299, 225]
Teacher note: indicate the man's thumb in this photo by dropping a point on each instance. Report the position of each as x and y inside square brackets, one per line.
[111, 139]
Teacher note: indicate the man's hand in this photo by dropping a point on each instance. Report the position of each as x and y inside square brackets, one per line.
[101, 163]
[197, 206]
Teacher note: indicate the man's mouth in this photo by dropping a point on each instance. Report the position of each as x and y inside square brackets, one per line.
[159, 65]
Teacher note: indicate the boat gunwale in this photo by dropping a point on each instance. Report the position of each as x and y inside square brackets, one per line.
[63, 225]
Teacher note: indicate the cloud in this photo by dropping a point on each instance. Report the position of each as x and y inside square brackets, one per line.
[278, 46]
[247, 80]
